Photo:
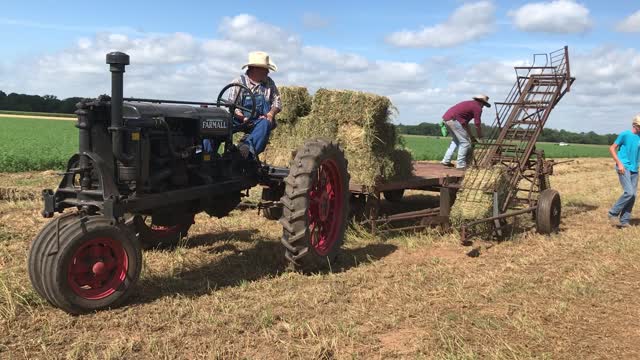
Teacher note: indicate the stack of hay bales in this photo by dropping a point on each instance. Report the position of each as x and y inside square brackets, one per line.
[475, 199]
[360, 123]
[297, 103]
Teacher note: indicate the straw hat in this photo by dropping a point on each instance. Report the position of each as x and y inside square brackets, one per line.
[484, 99]
[260, 59]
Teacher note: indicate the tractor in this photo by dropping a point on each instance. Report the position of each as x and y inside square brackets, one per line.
[140, 176]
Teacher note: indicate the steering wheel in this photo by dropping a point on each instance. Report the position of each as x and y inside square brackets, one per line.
[237, 102]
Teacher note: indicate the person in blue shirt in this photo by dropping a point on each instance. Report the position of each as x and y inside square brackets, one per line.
[625, 153]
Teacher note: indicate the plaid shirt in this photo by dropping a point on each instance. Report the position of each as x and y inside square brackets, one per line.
[266, 88]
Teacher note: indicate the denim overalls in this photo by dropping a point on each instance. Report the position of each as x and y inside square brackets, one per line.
[259, 128]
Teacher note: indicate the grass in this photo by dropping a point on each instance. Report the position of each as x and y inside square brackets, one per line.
[224, 292]
[433, 148]
[35, 144]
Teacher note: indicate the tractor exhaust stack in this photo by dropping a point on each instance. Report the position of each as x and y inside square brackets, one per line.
[117, 62]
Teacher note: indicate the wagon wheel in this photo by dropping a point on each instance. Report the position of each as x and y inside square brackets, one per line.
[272, 194]
[153, 236]
[394, 195]
[548, 212]
[315, 205]
[92, 264]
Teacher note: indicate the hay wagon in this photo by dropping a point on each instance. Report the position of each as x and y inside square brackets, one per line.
[432, 177]
[508, 177]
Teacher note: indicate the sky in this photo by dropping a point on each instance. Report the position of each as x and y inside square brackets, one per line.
[424, 55]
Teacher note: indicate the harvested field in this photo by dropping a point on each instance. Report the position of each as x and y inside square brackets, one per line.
[224, 293]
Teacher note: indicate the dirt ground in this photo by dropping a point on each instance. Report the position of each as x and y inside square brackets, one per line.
[224, 293]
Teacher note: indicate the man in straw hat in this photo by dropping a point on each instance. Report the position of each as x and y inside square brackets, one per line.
[268, 103]
[624, 151]
[457, 120]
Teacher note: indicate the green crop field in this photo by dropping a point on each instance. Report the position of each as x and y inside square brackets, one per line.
[35, 144]
[433, 148]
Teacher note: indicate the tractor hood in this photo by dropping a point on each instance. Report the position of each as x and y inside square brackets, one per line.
[144, 110]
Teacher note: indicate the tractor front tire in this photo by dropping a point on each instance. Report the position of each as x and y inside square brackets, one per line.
[92, 263]
[39, 245]
[315, 205]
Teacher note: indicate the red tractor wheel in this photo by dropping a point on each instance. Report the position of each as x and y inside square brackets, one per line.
[91, 264]
[154, 236]
[315, 205]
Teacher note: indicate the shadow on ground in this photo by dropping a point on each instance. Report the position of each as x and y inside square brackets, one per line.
[262, 260]
[576, 208]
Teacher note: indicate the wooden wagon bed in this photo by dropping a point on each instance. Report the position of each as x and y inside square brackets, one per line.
[427, 176]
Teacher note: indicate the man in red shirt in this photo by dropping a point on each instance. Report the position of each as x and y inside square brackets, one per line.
[457, 120]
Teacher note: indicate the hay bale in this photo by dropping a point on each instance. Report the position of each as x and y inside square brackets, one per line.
[402, 163]
[281, 144]
[475, 200]
[296, 103]
[352, 107]
[311, 126]
[287, 137]
[359, 122]
[369, 163]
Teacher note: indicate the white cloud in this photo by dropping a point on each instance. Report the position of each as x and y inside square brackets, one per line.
[468, 22]
[334, 58]
[559, 16]
[250, 30]
[180, 66]
[630, 23]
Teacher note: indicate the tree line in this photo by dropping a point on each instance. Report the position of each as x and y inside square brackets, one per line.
[37, 103]
[548, 135]
[51, 104]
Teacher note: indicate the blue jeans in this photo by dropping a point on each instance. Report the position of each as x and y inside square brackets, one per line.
[622, 208]
[459, 139]
[257, 139]
[260, 127]
[259, 135]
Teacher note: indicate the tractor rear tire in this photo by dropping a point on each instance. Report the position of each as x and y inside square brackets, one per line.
[92, 264]
[272, 194]
[548, 212]
[159, 237]
[394, 195]
[315, 205]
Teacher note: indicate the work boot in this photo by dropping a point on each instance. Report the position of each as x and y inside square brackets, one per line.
[244, 150]
[613, 220]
